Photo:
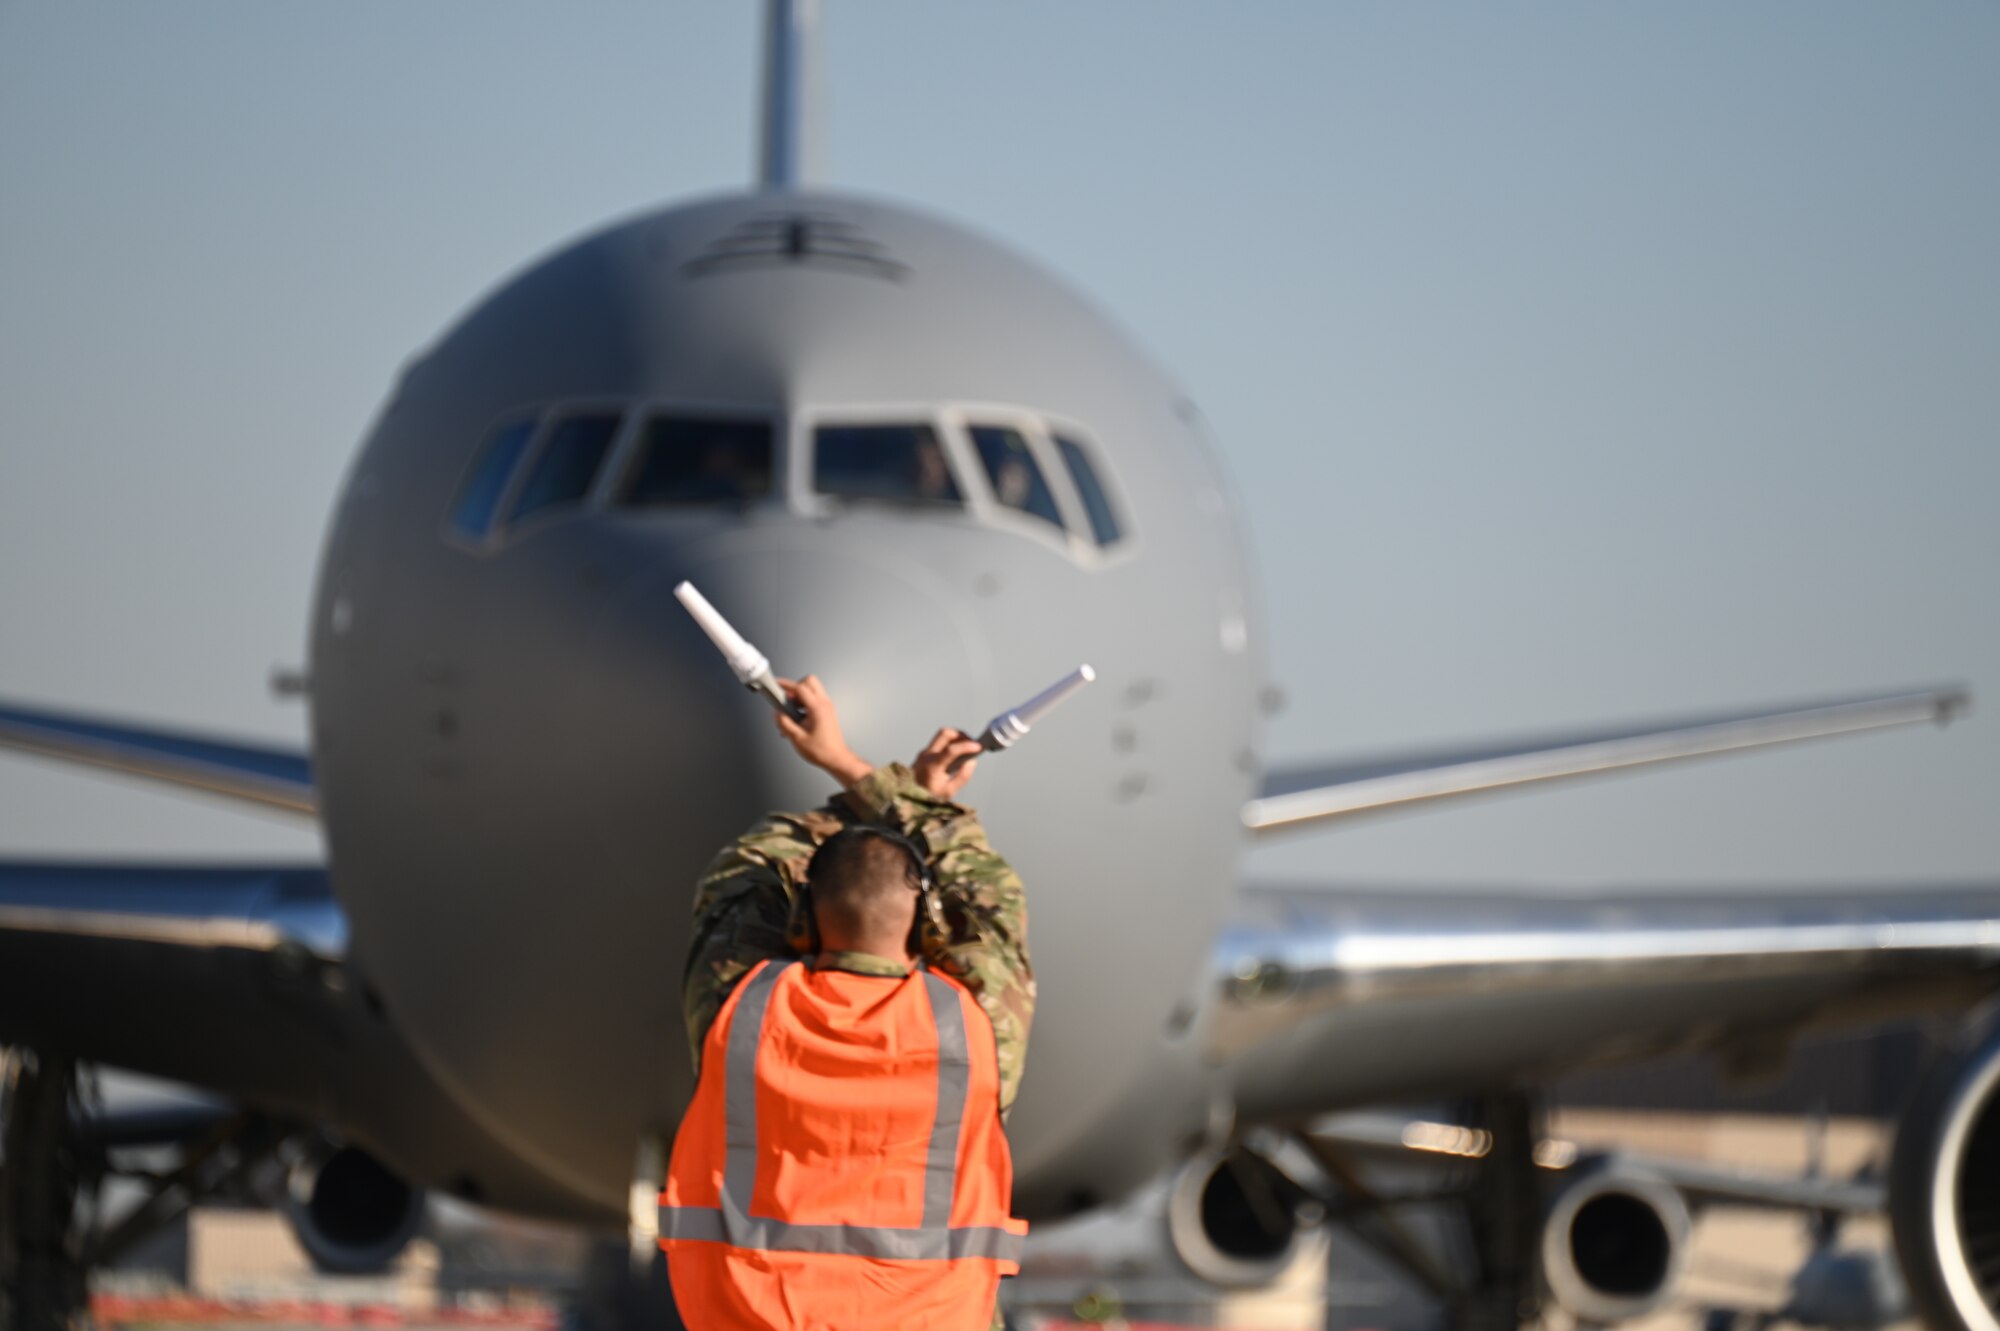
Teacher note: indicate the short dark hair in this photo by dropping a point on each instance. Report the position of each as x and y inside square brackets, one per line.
[864, 883]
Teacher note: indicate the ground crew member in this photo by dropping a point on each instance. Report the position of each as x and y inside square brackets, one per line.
[842, 1165]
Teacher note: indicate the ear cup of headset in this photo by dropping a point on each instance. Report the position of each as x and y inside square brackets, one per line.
[933, 935]
[801, 928]
[927, 932]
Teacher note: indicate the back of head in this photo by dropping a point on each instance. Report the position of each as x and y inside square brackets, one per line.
[864, 884]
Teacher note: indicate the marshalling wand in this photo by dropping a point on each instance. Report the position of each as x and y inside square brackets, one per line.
[1010, 725]
[751, 667]
[753, 670]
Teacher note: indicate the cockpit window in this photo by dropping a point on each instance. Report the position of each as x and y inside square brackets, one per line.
[1103, 521]
[479, 499]
[898, 463]
[692, 460]
[1010, 466]
[568, 463]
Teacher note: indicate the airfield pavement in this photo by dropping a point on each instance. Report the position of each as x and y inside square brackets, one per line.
[1739, 1259]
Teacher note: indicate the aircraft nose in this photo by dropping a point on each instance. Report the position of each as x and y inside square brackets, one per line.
[888, 646]
[894, 653]
[632, 756]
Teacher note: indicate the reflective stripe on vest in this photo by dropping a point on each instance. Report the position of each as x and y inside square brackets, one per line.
[934, 1240]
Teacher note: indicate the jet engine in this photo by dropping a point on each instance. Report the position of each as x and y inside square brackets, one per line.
[1614, 1244]
[351, 1215]
[1237, 1220]
[1944, 1189]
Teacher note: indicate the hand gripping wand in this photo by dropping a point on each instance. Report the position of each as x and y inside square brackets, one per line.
[752, 669]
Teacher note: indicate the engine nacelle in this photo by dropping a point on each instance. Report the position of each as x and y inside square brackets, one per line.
[1236, 1220]
[351, 1215]
[1614, 1244]
[1944, 1190]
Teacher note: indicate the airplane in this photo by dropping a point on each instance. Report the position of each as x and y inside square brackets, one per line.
[902, 456]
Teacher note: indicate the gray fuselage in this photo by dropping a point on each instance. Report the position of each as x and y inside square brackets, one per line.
[526, 752]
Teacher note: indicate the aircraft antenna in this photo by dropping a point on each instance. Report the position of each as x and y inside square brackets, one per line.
[791, 50]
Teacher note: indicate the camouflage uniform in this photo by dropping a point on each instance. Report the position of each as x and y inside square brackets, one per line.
[743, 904]
[743, 907]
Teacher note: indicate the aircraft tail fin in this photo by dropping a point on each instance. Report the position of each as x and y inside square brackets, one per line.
[1295, 796]
[787, 147]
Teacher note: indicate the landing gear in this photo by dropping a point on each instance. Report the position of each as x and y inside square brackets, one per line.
[42, 1174]
[56, 1150]
[1503, 1218]
[1492, 1280]
[616, 1297]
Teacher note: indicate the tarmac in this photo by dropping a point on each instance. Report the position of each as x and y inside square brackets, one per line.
[1740, 1260]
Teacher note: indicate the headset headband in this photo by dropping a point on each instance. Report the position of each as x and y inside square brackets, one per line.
[856, 831]
[929, 934]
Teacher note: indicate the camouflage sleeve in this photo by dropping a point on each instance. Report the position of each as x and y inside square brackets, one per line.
[742, 904]
[985, 908]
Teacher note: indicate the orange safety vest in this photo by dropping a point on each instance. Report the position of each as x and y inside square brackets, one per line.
[842, 1165]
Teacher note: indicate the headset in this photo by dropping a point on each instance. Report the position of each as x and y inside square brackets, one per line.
[928, 933]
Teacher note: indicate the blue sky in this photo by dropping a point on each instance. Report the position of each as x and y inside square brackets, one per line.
[1575, 362]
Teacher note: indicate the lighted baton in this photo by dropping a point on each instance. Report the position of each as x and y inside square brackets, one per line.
[750, 666]
[1003, 730]
[753, 670]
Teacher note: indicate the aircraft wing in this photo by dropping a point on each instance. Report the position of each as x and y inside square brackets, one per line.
[238, 979]
[1328, 998]
[1292, 796]
[264, 775]
[224, 976]
[1716, 1185]
[1400, 1137]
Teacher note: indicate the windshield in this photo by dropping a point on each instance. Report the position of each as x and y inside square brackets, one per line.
[1016, 478]
[897, 463]
[693, 460]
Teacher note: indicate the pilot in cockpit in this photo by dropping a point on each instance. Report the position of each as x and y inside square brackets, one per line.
[723, 472]
[930, 477]
[1013, 483]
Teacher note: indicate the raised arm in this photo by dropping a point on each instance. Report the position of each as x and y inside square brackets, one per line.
[985, 904]
[742, 904]
[743, 901]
